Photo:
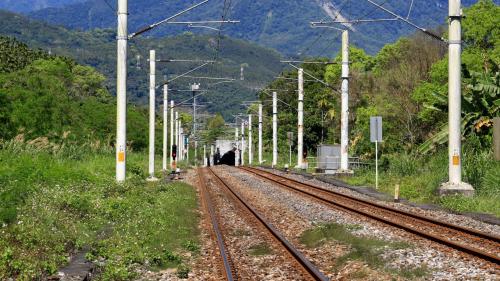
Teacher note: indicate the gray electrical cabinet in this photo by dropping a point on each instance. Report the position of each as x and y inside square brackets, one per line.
[328, 157]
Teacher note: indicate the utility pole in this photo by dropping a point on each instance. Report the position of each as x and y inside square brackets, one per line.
[205, 162]
[172, 104]
[275, 129]
[121, 90]
[177, 132]
[237, 152]
[152, 114]
[194, 87]
[242, 143]
[300, 126]
[260, 134]
[165, 127]
[212, 161]
[250, 152]
[455, 184]
[195, 153]
[344, 118]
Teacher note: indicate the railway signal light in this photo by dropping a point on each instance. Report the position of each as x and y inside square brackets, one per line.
[174, 151]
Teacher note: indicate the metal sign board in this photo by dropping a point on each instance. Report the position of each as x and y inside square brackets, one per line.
[376, 129]
[290, 138]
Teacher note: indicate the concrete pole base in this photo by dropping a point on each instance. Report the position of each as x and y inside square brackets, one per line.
[462, 188]
[152, 179]
[304, 166]
[344, 172]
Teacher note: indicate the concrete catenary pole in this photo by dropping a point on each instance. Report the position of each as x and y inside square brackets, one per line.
[300, 125]
[496, 138]
[275, 129]
[172, 104]
[177, 137]
[205, 155]
[121, 90]
[176, 141]
[344, 118]
[165, 127]
[237, 152]
[182, 141]
[260, 134]
[195, 153]
[152, 113]
[250, 143]
[212, 162]
[243, 143]
[455, 184]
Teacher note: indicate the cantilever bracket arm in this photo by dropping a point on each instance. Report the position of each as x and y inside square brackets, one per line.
[154, 25]
[317, 79]
[316, 24]
[405, 20]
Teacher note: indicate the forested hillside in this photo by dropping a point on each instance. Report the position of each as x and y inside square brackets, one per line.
[282, 25]
[98, 49]
[26, 6]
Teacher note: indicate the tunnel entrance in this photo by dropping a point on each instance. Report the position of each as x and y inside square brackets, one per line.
[227, 159]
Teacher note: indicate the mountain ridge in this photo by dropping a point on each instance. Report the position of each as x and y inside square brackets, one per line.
[98, 49]
[281, 25]
[27, 6]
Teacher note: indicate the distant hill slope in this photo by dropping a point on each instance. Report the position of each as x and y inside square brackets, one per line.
[26, 6]
[282, 25]
[98, 49]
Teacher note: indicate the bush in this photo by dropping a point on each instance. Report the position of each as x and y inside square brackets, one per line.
[404, 164]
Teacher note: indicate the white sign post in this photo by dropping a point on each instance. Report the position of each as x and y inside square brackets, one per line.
[290, 142]
[376, 137]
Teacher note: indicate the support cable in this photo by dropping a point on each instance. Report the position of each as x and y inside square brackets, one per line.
[148, 28]
[425, 31]
[316, 79]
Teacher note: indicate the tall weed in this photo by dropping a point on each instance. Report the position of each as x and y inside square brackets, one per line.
[403, 164]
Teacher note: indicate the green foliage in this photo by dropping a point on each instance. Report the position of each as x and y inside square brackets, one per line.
[482, 29]
[480, 104]
[97, 48]
[318, 101]
[420, 176]
[15, 55]
[359, 62]
[481, 82]
[67, 204]
[261, 249]
[215, 128]
[63, 102]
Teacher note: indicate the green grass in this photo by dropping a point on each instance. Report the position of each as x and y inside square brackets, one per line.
[53, 205]
[261, 249]
[364, 249]
[420, 177]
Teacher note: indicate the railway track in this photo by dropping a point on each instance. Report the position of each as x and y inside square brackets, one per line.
[227, 263]
[310, 272]
[469, 241]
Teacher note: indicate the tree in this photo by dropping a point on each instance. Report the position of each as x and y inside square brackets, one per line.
[215, 128]
[57, 99]
[480, 90]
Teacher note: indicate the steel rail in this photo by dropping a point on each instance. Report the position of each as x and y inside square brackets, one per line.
[491, 257]
[229, 269]
[299, 257]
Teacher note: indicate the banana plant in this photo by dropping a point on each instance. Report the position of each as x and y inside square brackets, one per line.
[480, 104]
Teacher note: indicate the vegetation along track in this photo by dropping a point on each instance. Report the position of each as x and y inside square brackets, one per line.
[310, 271]
[470, 241]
